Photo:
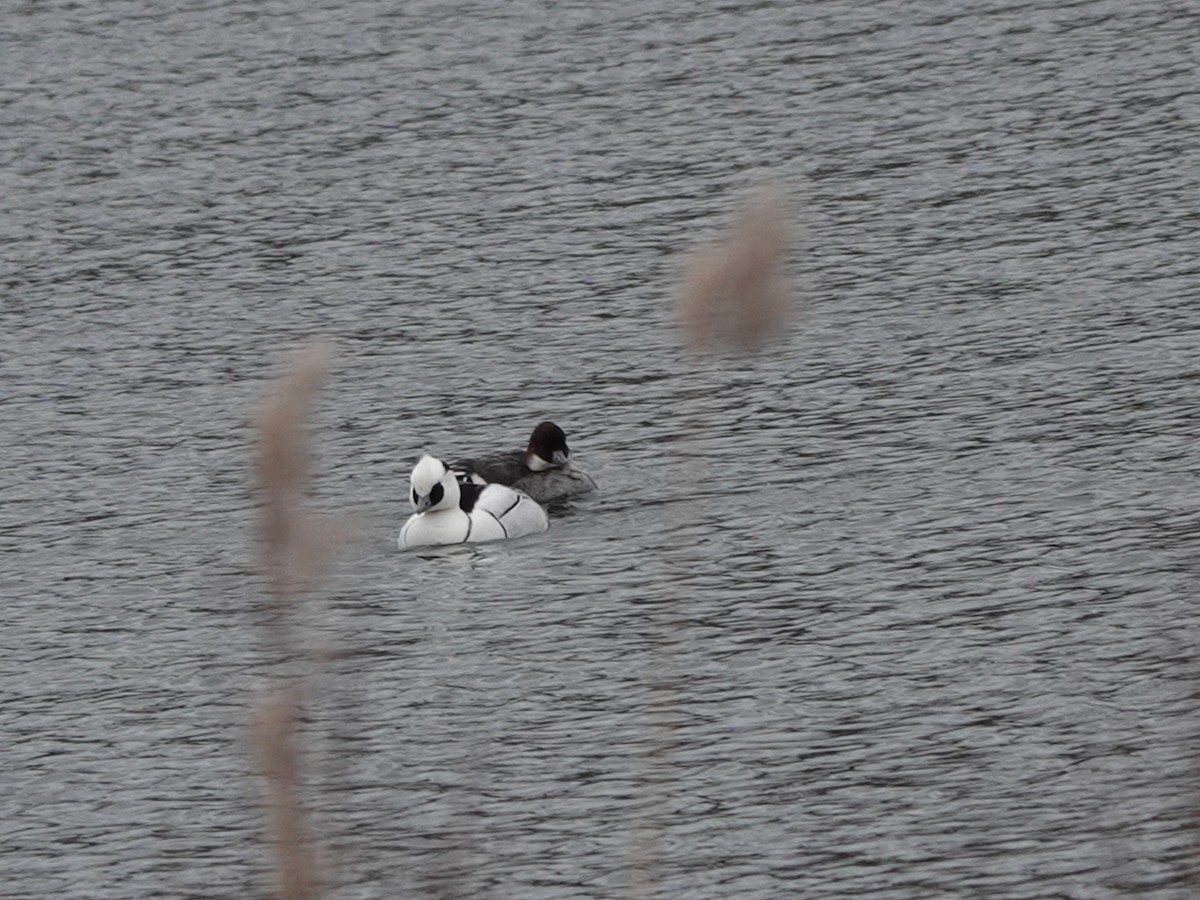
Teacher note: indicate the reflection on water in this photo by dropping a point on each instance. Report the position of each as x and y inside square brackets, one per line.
[900, 605]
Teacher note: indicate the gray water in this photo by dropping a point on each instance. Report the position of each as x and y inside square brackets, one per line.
[901, 606]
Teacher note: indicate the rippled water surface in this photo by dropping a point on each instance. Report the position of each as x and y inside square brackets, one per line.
[902, 605]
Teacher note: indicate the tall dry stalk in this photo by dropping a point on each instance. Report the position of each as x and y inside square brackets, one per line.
[295, 547]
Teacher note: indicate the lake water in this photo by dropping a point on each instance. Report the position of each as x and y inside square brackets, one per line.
[903, 605]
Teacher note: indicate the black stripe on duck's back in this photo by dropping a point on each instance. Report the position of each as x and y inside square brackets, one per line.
[468, 492]
[516, 500]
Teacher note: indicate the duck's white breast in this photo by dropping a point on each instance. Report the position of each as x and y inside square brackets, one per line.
[448, 526]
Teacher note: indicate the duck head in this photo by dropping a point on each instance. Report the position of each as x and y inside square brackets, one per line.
[433, 486]
[547, 448]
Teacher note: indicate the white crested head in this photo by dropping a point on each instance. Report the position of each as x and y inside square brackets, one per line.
[547, 448]
[433, 486]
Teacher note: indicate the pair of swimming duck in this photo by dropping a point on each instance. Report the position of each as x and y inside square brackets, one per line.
[490, 498]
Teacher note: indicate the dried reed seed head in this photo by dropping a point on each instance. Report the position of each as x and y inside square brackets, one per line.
[282, 467]
[283, 445]
[734, 290]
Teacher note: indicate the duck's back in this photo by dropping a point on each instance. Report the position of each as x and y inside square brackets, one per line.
[554, 484]
[514, 512]
[498, 468]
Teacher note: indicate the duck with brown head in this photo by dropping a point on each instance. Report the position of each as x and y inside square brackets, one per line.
[543, 469]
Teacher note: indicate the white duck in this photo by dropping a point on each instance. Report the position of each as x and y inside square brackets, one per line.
[450, 511]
